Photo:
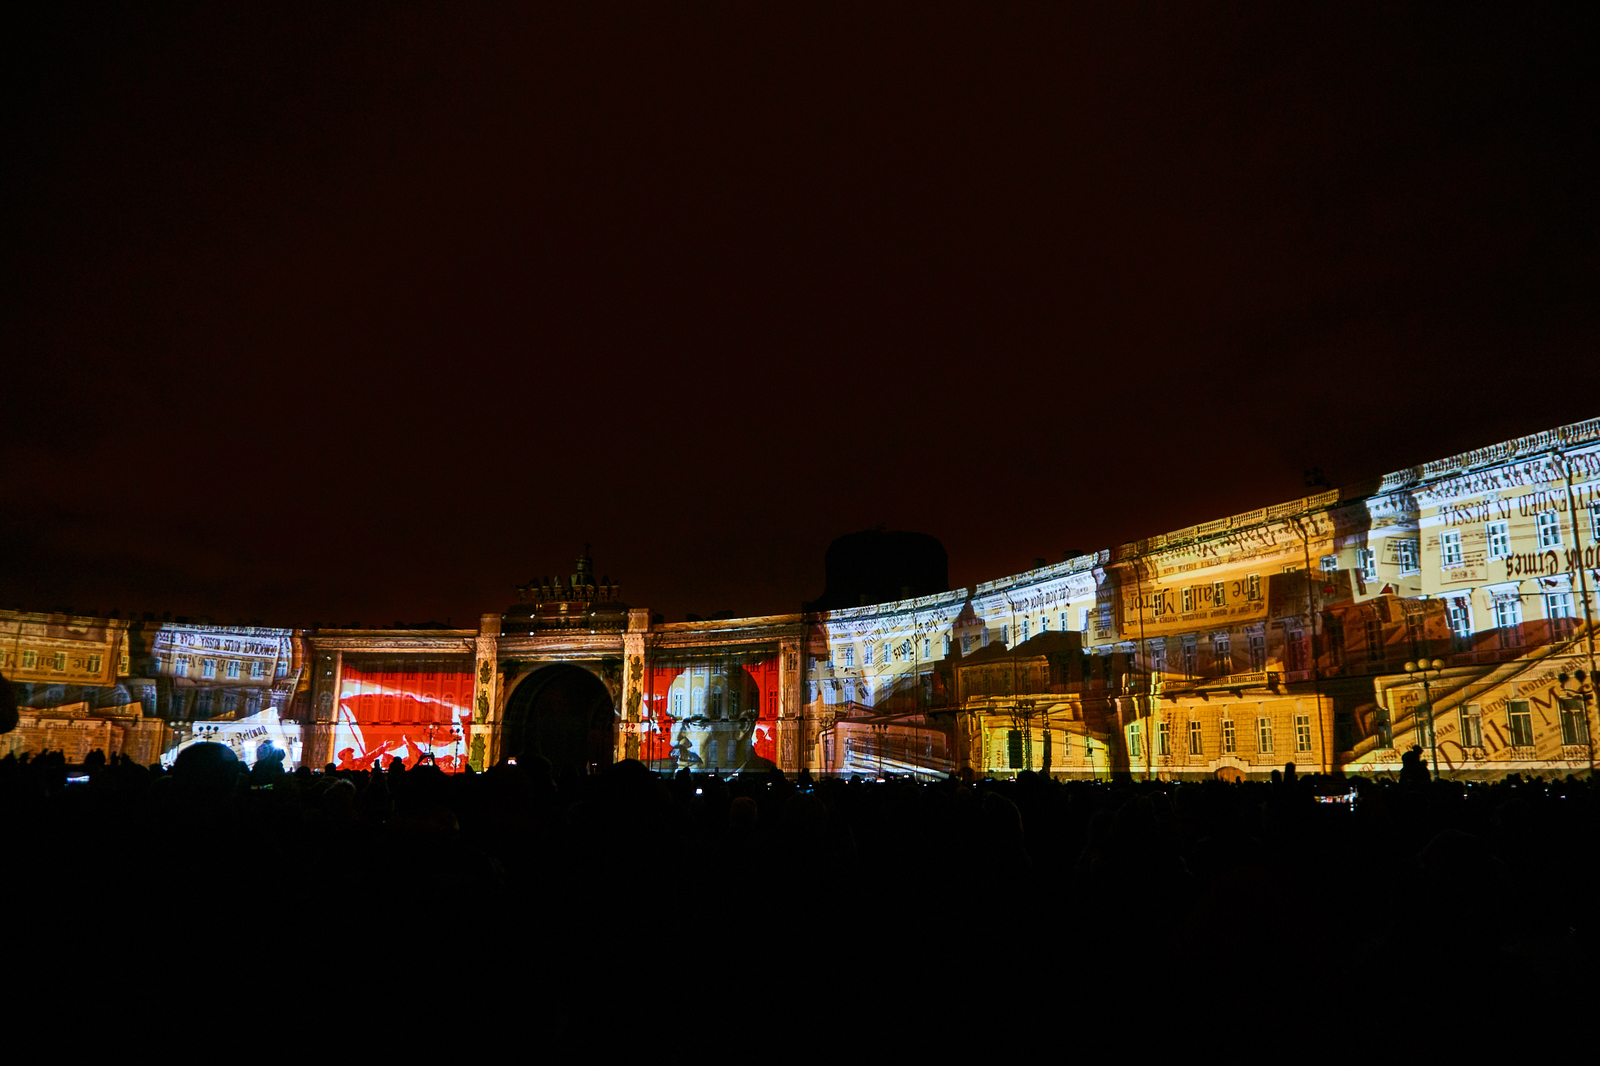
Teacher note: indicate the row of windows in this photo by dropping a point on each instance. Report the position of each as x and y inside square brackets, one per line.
[208, 667]
[1230, 736]
[1519, 723]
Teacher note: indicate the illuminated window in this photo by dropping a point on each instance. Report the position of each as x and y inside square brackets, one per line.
[1406, 551]
[866, 654]
[257, 670]
[1519, 716]
[1264, 735]
[1499, 539]
[1558, 608]
[1136, 739]
[927, 648]
[1163, 738]
[1157, 650]
[1230, 740]
[1594, 523]
[1414, 620]
[1187, 595]
[1005, 634]
[1302, 732]
[30, 658]
[886, 655]
[1450, 548]
[1459, 611]
[1367, 563]
[947, 645]
[1574, 721]
[283, 667]
[850, 656]
[677, 705]
[59, 661]
[1508, 619]
[1330, 563]
[1190, 657]
[1196, 745]
[1222, 652]
[233, 668]
[1471, 726]
[94, 664]
[1022, 632]
[966, 646]
[1258, 651]
[1549, 530]
[1219, 595]
[1252, 587]
[122, 667]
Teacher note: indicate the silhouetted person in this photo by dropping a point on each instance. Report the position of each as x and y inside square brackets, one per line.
[1413, 771]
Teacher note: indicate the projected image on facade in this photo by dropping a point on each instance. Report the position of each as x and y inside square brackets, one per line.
[408, 709]
[715, 709]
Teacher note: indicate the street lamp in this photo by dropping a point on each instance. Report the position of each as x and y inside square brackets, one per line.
[1426, 668]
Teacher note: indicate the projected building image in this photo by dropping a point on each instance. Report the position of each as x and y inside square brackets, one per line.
[1448, 606]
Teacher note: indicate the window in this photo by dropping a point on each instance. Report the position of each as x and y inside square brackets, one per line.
[1158, 656]
[1196, 745]
[1264, 735]
[1136, 739]
[180, 666]
[966, 647]
[850, 655]
[1558, 608]
[1406, 552]
[1508, 620]
[1044, 623]
[1302, 732]
[1330, 563]
[1459, 611]
[1230, 740]
[122, 666]
[677, 705]
[1190, 655]
[1163, 738]
[1005, 634]
[1574, 721]
[1594, 523]
[1519, 715]
[1471, 726]
[1367, 563]
[927, 648]
[947, 645]
[208, 668]
[1414, 619]
[1022, 631]
[866, 654]
[1222, 652]
[1549, 530]
[1450, 548]
[94, 664]
[1252, 586]
[1295, 649]
[1187, 594]
[283, 668]
[1084, 616]
[58, 661]
[257, 670]
[233, 668]
[1258, 652]
[30, 658]
[1374, 639]
[1499, 539]
[1219, 595]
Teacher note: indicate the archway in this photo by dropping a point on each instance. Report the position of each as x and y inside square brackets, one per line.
[563, 713]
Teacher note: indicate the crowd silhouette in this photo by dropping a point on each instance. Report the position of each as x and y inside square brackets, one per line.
[1079, 888]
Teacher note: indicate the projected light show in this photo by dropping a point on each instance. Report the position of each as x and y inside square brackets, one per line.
[408, 710]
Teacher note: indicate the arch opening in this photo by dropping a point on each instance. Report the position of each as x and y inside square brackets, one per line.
[565, 714]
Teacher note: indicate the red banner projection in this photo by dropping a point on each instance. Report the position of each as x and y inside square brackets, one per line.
[710, 716]
[405, 712]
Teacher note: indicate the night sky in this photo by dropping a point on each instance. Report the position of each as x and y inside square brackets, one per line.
[369, 314]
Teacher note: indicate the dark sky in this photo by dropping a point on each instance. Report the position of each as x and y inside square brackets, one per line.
[370, 313]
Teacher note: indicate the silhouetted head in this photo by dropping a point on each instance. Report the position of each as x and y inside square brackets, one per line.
[207, 768]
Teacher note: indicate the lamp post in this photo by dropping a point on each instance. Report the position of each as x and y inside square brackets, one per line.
[1583, 693]
[1426, 668]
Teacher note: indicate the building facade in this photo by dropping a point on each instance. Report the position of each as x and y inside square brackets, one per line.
[1225, 649]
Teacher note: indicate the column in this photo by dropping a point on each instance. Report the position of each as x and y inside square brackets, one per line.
[485, 695]
[633, 666]
[791, 725]
[317, 749]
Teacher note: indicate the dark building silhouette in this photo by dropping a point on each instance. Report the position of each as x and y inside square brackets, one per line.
[878, 566]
